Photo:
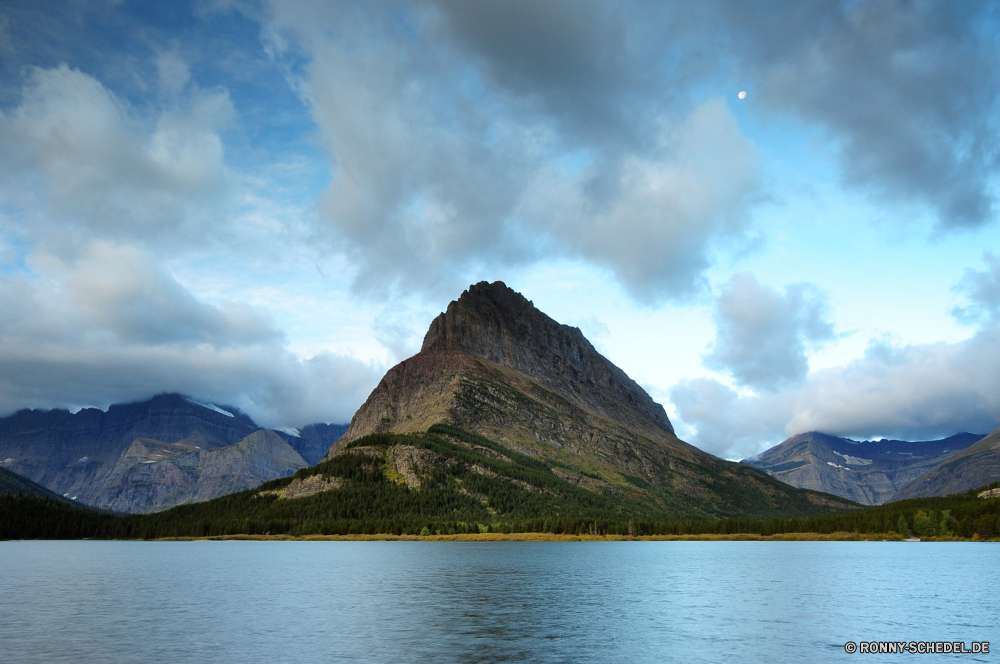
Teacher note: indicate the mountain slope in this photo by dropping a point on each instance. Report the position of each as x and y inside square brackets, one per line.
[152, 475]
[65, 452]
[496, 366]
[868, 472]
[12, 483]
[313, 441]
[146, 455]
[449, 481]
[974, 466]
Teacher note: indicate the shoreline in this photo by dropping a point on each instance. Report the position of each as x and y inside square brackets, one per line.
[544, 537]
[548, 537]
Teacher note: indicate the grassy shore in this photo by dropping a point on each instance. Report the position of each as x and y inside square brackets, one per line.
[548, 537]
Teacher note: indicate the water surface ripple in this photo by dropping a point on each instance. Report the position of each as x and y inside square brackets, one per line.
[302, 602]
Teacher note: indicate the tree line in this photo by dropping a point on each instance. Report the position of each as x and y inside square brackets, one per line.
[468, 492]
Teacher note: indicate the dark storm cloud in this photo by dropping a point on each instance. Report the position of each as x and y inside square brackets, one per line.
[762, 335]
[455, 151]
[908, 91]
[471, 137]
[571, 60]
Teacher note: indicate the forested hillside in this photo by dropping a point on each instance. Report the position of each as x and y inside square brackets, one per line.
[443, 481]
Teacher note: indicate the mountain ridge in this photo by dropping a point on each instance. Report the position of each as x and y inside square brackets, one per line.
[495, 366]
[971, 467]
[868, 472]
[493, 335]
[500, 325]
[12, 483]
[92, 454]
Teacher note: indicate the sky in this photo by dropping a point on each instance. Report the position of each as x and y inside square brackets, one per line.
[264, 205]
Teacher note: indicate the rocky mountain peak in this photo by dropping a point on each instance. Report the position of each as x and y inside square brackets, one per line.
[492, 321]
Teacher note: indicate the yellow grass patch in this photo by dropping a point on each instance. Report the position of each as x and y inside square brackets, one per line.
[549, 537]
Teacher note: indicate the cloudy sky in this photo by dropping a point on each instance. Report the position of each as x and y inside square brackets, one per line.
[264, 205]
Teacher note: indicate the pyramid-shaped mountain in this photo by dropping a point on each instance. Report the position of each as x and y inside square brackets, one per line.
[496, 366]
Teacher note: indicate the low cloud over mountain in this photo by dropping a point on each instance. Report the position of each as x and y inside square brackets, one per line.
[916, 391]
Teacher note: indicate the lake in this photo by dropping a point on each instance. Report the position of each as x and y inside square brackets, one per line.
[306, 602]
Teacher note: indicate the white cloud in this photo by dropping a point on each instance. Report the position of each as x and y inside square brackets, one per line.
[174, 72]
[113, 326]
[440, 170]
[982, 288]
[913, 392]
[81, 162]
[667, 210]
[762, 335]
[121, 289]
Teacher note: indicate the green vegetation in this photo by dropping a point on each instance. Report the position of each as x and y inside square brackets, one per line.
[963, 515]
[14, 483]
[469, 484]
[29, 517]
[25, 516]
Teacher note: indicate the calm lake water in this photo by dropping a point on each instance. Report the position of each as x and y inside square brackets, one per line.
[490, 602]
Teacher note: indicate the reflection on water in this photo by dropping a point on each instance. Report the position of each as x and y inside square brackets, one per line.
[488, 602]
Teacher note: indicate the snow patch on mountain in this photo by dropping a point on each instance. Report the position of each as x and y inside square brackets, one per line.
[212, 406]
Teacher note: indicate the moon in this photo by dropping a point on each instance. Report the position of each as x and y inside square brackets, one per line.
[742, 94]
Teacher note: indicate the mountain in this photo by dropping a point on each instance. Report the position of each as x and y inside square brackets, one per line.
[146, 455]
[313, 441]
[443, 481]
[495, 366]
[972, 467]
[869, 472]
[12, 483]
[505, 419]
[152, 475]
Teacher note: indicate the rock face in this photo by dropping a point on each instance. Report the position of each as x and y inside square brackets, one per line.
[314, 440]
[144, 456]
[869, 472]
[151, 475]
[972, 467]
[14, 483]
[494, 365]
[501, 326]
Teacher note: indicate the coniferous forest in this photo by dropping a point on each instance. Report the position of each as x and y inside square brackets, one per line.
[469, 484]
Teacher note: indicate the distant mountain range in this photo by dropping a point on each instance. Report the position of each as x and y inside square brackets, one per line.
[504, 420]
[504, 407]
[875, 472]
[972, 467]
[154, 454]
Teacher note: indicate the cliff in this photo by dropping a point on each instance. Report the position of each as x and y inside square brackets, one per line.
[869, 472]
[109, 459]
[494, 365]
[970, 468]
